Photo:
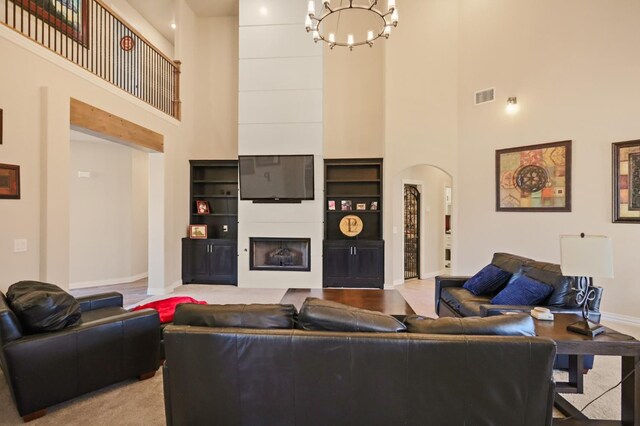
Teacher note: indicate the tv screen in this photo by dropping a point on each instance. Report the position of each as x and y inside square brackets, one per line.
[276, 177]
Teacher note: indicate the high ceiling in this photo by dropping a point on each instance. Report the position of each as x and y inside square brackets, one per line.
[161, 13]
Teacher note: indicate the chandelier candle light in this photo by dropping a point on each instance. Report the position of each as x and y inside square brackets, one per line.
[384, 20]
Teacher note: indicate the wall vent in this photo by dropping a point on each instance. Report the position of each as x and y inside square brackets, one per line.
[484, 96]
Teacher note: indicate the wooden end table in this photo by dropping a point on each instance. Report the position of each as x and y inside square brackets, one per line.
[388, 302]
[576, 346]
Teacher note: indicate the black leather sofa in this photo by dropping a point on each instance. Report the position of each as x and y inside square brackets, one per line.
[287, 376]
[452, 299]
[107, 345]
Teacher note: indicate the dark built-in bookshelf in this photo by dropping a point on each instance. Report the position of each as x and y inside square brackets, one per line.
[353, 261]
[213, 260]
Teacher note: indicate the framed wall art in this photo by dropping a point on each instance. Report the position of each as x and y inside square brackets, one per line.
[534, 178]
[70, 17]
[0, 126]
[9, 181]
[626, 181]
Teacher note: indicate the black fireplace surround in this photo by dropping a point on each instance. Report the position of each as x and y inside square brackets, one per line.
[280, 254]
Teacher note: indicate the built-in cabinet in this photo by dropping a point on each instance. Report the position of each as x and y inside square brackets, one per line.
[353, 187]
[213, 260]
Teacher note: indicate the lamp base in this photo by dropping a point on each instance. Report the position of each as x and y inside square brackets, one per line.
[586, 327]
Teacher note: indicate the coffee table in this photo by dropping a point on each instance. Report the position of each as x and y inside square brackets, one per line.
[388, 302]
[577, 346]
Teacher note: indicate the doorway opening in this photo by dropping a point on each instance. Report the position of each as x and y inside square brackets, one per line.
[411, 232]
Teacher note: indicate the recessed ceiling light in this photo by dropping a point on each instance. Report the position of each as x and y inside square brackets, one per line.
[173, 25]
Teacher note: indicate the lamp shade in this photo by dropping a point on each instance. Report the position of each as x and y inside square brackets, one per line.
[586, 256]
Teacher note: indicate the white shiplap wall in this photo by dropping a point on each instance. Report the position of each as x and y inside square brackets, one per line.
[280, 112]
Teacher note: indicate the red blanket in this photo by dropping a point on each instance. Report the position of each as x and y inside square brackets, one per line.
[167, 307]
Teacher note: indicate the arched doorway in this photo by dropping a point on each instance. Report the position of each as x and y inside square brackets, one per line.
[411, 232]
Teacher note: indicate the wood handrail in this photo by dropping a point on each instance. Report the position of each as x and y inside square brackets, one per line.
[133, 30]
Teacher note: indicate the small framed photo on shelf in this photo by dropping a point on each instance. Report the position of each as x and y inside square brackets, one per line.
[345, 205]
[331, 205]
[202, 207]
[361, 206]
[374, 205]
[198, 232]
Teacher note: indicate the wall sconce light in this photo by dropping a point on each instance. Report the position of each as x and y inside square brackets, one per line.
[512, 105]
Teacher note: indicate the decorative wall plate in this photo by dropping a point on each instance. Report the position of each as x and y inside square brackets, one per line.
[351, 225]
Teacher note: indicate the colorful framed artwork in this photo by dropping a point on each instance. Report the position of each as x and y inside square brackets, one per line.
[198, 232]
[534, 178]
[202, 207]
[331, 204]
[70, 17]
[9, 181]
[626, 181]
[345, 205]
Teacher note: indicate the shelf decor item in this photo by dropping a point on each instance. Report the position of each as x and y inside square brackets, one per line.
[332, 205]
[361, 206]
[345, 204]
[202, 207]
[534, 178]
[198, 232]
[9, 181]
[626, 182]
[374, 205]
[351, 225]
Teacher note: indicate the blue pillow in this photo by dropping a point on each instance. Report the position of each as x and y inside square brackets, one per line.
[522, 290]
[489, 279]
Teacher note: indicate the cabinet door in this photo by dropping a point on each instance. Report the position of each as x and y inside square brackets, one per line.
[336, 269]
[195, 260]
[223, 263]
[367, 267]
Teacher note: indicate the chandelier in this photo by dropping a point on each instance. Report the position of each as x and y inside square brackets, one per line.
[380, 22]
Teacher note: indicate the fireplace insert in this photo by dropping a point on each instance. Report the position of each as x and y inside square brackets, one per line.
[280, 254]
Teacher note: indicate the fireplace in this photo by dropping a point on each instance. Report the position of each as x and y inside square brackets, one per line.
[280, 254]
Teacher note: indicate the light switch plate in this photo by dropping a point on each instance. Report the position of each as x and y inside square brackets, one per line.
[19, 245]
[225, 228]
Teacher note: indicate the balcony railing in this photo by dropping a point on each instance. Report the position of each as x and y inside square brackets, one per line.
[91, 35]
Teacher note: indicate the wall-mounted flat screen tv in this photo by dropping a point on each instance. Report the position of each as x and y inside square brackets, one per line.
[276, 177]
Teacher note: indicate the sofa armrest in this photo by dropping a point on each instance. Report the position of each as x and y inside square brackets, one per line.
[48, 368]
[443, 281]
[487, 310]
[102, 300]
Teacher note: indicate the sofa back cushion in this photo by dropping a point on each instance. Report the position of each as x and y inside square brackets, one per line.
[10, 328]
[509, 262]
[499, 325]
[549, 273]
[261, 316]
[324, 315]
[42, 307]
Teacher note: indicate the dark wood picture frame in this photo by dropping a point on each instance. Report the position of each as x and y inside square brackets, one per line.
[198, 232]
[626, 181]
[202, 207]
[9, 181]
[546, 164]
[78, 31]
[1, 118]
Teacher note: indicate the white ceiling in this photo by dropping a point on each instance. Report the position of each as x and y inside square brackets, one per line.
[161, 13]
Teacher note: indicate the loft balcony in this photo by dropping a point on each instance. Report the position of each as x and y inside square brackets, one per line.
[92, 36]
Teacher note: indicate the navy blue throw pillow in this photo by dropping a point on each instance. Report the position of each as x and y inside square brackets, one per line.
[522, 290]
[489, 279]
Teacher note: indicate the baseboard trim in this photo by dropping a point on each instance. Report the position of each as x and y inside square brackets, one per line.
[623, 319]
[432, 274]
[399, 281]
[110, 281]
[166, 290]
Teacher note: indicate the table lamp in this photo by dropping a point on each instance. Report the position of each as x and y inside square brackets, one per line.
[584, 257]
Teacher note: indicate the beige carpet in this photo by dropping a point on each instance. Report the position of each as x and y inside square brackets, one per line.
[141, 403]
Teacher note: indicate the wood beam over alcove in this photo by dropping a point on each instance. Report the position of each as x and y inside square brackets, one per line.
[100, 123]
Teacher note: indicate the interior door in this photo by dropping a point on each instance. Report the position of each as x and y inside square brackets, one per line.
[411, 232]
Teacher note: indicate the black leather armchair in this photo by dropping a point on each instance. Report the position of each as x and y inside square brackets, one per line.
[108, 345]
